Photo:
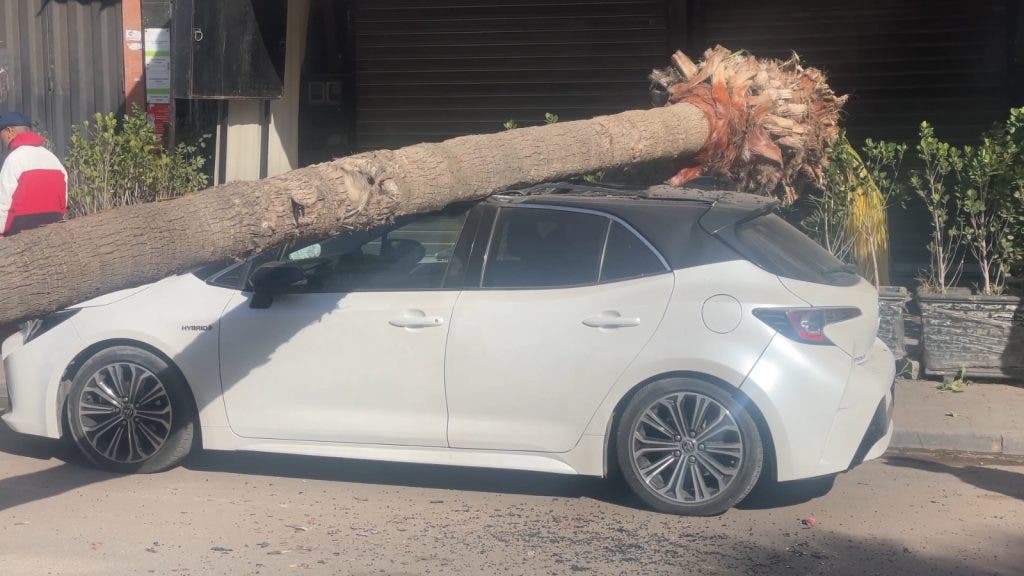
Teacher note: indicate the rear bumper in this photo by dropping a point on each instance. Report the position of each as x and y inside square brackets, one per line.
[879, 433]
[826, 412]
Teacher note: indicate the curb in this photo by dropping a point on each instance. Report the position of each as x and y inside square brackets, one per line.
[1011, 444]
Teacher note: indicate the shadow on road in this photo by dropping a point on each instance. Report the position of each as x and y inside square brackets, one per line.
[46, 483]
[72, 474]
[821, 552]
[30, 446]
[612, 490]
[412, 475]
[992, 479]
[767, 494]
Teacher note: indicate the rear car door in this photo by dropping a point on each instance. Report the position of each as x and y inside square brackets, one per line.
[557, 304]
[357, 355]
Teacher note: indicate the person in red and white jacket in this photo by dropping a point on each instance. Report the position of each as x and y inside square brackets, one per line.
[33, 183]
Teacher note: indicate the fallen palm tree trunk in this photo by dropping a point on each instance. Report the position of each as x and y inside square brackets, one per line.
[727, 113]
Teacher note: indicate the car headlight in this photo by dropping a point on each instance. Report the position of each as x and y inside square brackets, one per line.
[39, 326]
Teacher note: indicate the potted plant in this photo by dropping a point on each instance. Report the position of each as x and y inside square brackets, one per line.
[849, 219]
[976, 199]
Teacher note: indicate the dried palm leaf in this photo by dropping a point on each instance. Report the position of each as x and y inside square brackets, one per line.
[868, 225]
[771, 121]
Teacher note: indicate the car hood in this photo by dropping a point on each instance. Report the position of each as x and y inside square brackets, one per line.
[118, 296]
[112, 297]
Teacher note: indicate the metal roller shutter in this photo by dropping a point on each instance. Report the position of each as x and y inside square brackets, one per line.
[60, 62]
[944, 61]
[426, 71]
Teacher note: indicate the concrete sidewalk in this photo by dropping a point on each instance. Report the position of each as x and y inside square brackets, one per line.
[985, 417]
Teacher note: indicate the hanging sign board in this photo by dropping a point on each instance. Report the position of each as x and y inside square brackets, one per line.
[157, 43]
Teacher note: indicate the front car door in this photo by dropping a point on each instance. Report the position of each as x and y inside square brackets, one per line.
[357, 355]
[566, 300]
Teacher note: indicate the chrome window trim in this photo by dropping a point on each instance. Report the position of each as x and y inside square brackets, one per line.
[604, 248]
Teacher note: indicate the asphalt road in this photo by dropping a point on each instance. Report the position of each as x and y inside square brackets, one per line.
[261, 514]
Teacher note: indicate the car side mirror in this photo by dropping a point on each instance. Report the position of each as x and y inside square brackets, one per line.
[274, 278]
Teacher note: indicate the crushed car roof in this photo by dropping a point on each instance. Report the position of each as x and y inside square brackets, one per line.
[555, 191]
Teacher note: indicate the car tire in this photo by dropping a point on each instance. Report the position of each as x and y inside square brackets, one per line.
[129, 411]
[700, 471]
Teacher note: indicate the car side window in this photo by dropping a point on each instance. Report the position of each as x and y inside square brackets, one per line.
[627, 256]
[544, 248]
[411, 254]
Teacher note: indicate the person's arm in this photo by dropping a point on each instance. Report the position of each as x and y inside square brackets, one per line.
[8, 184]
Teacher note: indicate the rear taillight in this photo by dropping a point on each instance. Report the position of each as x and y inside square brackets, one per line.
[806, 325]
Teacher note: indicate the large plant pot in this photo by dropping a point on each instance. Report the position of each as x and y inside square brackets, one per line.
[984, 335]
[891, 305]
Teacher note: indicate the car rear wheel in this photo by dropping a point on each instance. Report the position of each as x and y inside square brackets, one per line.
[129, 411]
[687, 447]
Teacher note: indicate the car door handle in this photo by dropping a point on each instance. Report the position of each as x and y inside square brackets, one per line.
[416, 319]
[611, 320]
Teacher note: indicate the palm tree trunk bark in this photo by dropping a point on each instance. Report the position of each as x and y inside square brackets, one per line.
[761, 123]
[56, 266]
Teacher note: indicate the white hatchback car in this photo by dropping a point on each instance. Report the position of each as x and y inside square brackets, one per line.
[692, 339]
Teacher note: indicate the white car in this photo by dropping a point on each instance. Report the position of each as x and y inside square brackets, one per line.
[692, 339]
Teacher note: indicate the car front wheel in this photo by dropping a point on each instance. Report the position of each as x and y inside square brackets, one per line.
[129, 411]
[688, 447]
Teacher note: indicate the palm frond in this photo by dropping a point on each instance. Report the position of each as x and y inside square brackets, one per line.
[771, 121]
[868, 225]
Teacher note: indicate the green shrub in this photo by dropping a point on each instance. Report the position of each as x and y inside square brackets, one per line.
[990, 193]
[114, 163]
[934, 183]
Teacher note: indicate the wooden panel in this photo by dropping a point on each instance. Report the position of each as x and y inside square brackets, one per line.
[236, 48]
[240, 55]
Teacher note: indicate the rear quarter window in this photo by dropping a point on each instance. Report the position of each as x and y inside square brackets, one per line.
[626, 256]
[776, 246]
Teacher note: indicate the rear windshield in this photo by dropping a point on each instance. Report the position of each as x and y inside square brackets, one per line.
[775, 245]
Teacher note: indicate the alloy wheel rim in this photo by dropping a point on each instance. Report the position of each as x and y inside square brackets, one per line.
[125, 413]
[686, 448]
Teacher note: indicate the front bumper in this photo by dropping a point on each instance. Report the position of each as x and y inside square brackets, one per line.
[7, 347]
[5, 396]
[33, 375]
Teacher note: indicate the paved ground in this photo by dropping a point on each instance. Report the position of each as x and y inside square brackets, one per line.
[985, 417]
[258, 514]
